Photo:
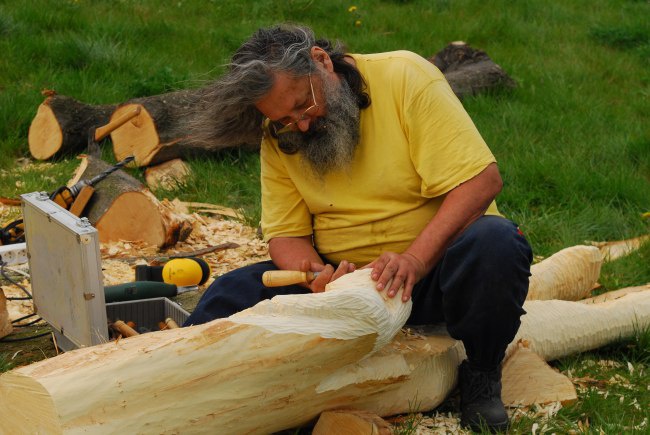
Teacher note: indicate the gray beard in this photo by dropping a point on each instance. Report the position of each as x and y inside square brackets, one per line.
[331, 140]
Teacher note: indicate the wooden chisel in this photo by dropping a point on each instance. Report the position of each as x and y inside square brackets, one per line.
[277, 278]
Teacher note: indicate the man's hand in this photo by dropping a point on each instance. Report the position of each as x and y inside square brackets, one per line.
[397, 270]
[326, 274]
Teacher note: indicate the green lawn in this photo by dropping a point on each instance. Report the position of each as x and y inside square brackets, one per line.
[572, 141]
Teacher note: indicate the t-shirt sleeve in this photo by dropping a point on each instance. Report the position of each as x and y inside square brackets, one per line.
[446, 148]
[284, 212]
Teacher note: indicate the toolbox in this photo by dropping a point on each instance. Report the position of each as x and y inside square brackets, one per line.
[67, 280]
[146, 313]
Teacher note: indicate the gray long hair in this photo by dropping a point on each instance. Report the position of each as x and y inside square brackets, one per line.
[227, 115]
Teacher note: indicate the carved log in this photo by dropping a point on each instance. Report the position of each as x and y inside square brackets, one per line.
[620, 248]
[123, 209]
[528, 379]
[569, 274]
[279, 365]
[62, 125]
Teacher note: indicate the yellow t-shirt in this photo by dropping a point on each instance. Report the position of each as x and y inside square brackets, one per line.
[417, 143]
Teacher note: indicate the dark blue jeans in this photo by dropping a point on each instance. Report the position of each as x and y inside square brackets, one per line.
[477, 288]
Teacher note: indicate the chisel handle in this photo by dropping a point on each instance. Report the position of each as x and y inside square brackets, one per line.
[277, 278]
[124, 329]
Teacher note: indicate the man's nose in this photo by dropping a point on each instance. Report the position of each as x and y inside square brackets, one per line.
[303, 124]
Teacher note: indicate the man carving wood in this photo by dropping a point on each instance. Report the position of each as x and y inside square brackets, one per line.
[371, 161]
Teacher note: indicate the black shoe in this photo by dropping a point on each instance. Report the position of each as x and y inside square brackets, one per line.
[480, 399]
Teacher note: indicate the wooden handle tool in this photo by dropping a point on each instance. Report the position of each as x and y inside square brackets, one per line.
[124, 329]
[277, 278]
[102, 132]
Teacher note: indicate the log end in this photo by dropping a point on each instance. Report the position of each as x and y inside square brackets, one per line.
[132, 216]
[137, 137]
[45, 136]
[26, 404]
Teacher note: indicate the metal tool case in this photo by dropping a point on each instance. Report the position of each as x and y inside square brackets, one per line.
[67, 281]
[66, 274]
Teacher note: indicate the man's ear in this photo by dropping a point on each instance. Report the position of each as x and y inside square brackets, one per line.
[320, 56]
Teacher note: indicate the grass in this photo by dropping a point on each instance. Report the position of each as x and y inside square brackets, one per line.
[572, 141]
[5, 364]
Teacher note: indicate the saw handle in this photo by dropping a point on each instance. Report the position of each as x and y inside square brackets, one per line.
[278, 278]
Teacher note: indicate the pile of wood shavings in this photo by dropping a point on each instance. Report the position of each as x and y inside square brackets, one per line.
[435, 424]
[120, 258]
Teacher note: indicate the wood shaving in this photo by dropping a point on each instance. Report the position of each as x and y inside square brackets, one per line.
[538, 412]
[441, 424]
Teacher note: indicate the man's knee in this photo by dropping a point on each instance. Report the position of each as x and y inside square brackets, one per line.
[496, 242]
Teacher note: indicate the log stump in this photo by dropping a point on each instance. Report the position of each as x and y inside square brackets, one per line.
[122, 208]
[168, 175]
[470, 71]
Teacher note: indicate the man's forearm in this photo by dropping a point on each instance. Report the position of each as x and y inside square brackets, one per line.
[462, 206]
[289, 252]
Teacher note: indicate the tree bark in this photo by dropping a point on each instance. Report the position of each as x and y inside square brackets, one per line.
[62, 126]
[123, 209]
[280, 364]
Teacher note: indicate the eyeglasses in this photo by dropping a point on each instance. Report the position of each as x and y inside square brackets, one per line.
[279, 127]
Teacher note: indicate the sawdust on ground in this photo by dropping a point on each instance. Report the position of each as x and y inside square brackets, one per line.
[120, 258]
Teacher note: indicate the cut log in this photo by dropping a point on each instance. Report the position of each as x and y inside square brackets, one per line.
[351, 422]
[168, 175]
[159, 133]
[569, 274]
[6, 327]
[279, 365]
[122, 208]
[62, 126]
[529, 380]
[470, 71]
